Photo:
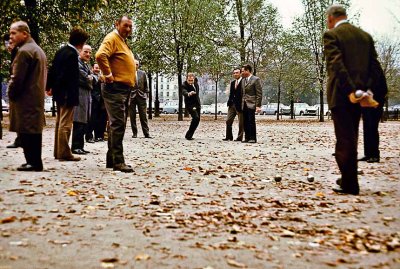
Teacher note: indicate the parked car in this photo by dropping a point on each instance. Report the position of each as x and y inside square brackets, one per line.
[205, 109]
[271, 109]
[327, 111]
[300, 109]
[48, 104]
[394, 108]
[4, 106]
[171, 107]
[222, 108]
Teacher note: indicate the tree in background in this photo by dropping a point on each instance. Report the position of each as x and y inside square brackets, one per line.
[312, 26]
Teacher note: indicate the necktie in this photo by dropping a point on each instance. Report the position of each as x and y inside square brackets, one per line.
[236, 84]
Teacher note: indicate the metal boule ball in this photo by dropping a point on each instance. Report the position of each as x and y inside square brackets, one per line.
[359, 93]
[310, 178]
[278, 178]
[360, 172]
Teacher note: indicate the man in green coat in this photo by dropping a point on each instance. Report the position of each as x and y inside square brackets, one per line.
[351, 64]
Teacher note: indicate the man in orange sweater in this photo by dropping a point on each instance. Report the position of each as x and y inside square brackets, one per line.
[117, 63]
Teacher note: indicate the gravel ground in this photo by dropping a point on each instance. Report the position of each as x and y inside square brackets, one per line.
[204, 203]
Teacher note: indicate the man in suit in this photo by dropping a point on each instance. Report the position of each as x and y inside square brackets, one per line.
[251, 102]
[26, 95]
[371, 118]
[234, 106]
[63, 84]
[351, 62]
[190, 90]
[83, 109]
[117, 63]
[139, 100]
[98, 115]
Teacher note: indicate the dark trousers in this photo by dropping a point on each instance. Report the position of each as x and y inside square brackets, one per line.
[78, 134]
[116, 99]
[195, 114]
[346, 120]
[98, 120]
[141, 105]
[249, 120]
[32, 145]
[232, 112]
[371, 118]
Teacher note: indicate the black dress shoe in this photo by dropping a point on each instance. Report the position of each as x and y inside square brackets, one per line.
[189, 138]
[339, 181]
[28, 167]
[99, 140]
[373, 160]
[227, 139]
[340, 190]
[148, 136]
[134, 136]
[252, 141]
[363, 159]
[90, 141]
[123, 168]
[238, 140]
[13, 146]
[85, 151]
[78, 151]
[245, 141]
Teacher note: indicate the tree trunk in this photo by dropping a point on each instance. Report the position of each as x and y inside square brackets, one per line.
[180, 116]
[150, 96]
[157, 101]
[216, 98]
[242, 49]
[279, 100]
[31, 13]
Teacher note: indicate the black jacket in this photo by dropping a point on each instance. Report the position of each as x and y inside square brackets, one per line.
[63, 77]
[194, 100]
[235, 95]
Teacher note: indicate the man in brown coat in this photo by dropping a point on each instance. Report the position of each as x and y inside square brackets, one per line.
[26, 95]
[351, 64]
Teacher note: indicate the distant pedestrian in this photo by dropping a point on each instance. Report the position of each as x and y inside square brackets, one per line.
[192, 103]
[117, 63]
[235, 107]
[139, 102]
[251, 102]
[63, 84]
[26, 95]
[12, 49]
[83, 109]
[351, 63]
[98, 116]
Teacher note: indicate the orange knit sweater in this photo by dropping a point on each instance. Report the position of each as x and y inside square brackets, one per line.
[114, 56]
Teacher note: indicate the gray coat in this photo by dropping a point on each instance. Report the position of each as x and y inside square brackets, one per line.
[251, 92]
[140, 89]
[82, 111]
[26, 89]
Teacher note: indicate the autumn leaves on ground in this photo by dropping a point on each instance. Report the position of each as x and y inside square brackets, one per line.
[204, 203]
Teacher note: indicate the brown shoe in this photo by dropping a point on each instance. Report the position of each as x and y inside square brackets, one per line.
[70, 159]
[123, 168]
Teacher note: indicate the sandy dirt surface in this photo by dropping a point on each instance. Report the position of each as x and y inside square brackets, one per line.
[204, 203]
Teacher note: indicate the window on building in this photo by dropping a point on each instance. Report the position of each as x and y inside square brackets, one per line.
[167, 86]
[167, 94]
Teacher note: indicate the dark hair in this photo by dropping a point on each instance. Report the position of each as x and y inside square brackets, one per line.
[6, 37]
[124, 16]
[78, 36]
[247, 67]
[237, 68]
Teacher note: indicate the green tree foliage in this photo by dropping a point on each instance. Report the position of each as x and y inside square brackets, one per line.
[312, 26]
